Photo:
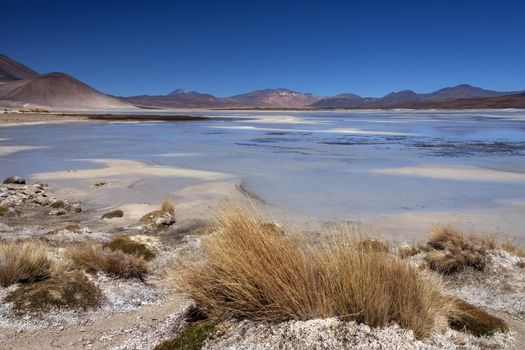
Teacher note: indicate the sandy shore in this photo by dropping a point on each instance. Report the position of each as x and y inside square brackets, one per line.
[13, 119]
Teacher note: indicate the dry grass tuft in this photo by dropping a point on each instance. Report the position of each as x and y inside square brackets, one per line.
[466, 317]
[95, 258]
[70, 290]
[452, 250]
[253, 272]
[167, 206]
[23, 262]
[129, 246]
[513, 247]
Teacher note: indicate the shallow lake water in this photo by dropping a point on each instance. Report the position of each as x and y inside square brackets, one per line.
[398, 171]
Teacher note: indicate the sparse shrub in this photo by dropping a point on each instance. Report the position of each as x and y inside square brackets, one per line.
[466, 317]
[411, 250]
[191, 338]
[452, 251]
[95, 258]
[251, 272]
[23, 262]
[129, 246]
[113, 214]
[74, 228]
[70, 290]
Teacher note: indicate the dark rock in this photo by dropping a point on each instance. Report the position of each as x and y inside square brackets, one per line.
[190, 227]
[17, 180]
[157, 218]
[113, 214]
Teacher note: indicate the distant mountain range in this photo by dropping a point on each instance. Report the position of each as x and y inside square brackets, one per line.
[410, 99]
[450, 97]
[268, 98]
[21, 86]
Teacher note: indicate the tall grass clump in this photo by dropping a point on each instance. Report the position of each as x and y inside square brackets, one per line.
[250, 271]
[451, 250]
[95, 258]
[23, 262]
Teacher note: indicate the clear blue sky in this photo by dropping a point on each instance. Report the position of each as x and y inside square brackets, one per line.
[228, 47]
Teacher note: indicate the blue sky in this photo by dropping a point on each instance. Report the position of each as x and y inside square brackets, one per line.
[226, 47]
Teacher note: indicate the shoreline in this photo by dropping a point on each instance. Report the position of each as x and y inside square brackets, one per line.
[12, 119]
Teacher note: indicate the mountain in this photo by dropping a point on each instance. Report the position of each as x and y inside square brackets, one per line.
[11, 70]
[272, 98]
[177, 99]
[268, 98]
[57, 90]
[23, 87]
[500, 101]
[461, 92]
[408, 98]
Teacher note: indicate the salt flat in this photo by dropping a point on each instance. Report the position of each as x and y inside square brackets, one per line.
[397, 171]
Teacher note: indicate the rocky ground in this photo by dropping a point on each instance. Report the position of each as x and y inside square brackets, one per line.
[139, 314]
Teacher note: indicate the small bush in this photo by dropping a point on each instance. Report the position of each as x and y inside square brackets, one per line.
[95, 258]
[58, 204]
[70, 290]
[127, 245]
[252, 272]
[452, 251]
[23, 262]
[191, 338]
[466, 317]
[113, 214]
[3, 210]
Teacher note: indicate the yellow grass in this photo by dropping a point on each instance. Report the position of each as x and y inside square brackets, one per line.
[94, 258]
[23, 262]
[469, 318]
[167, 206]
[254, 272]
[513, 247]
[451, 250]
